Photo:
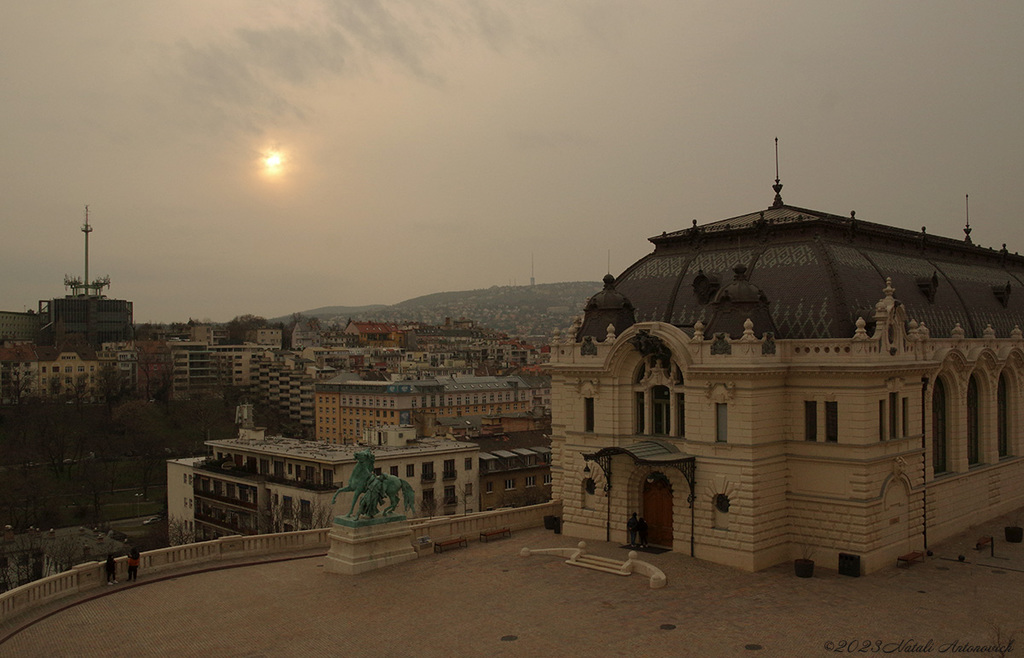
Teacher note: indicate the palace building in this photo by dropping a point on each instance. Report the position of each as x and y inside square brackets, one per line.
[789, 382]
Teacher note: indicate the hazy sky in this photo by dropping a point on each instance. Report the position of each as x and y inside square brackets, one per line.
[431, 146]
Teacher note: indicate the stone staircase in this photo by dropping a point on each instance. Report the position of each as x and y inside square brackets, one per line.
[578, 557]
[598, 563]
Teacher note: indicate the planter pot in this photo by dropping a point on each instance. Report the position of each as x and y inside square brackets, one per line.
[1014, 534]
[803, 568]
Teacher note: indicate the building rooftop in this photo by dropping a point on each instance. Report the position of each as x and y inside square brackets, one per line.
[814, 274]
[487, 600]
[327, 452]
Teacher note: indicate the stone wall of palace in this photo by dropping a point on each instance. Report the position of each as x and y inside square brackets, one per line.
[864, 493]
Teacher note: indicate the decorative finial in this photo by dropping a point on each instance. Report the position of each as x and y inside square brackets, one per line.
[967, 229]
[778, 186]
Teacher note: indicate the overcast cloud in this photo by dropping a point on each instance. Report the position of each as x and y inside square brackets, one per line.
[430, 146]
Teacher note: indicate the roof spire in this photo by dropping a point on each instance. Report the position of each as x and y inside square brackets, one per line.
[967, 228]
[778, 186]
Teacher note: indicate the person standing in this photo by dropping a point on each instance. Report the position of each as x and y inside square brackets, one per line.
[641, 531]
[631, 525]
[111, 570]
[133, 564]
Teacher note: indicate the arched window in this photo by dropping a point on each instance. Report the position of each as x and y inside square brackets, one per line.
[939, 427]
[658, 408]
[972, 421]
[1002, 416]
[661, 414]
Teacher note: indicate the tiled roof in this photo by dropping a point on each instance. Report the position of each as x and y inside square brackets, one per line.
[819, 272]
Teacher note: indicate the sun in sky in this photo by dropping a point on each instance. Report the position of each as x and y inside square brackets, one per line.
[273, 162]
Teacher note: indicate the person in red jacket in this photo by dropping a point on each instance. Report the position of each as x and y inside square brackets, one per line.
[133, 564]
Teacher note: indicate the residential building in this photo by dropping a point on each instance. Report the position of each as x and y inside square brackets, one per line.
[376, 334]
[515, 469]
[70, 371]
[269, 337]
[255, 483]
[792, 380]
[18, 327]
[19, 373]
[346, 407]
[208, 334]
[193, 371]
[237, 365]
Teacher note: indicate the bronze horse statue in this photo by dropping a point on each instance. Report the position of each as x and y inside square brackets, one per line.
[374, 488]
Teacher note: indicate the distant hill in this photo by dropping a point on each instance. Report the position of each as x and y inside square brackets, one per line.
[517, 310]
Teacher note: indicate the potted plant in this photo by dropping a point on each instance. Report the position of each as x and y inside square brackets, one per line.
[1014, 533]
[803, 566]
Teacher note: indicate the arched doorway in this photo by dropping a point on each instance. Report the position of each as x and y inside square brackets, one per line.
[657, 509]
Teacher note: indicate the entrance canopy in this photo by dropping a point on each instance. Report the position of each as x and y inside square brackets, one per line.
[647, 453]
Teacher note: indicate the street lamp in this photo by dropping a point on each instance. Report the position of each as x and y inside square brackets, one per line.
[137, 503]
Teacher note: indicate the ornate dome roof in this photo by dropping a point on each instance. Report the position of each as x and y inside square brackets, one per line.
[815, 273]
[607, 307]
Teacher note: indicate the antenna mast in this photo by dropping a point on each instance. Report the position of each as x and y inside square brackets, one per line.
[83, 286]
[87, 230]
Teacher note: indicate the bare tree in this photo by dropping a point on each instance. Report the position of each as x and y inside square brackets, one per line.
[180, 531]
[465, 492]
[321, 515]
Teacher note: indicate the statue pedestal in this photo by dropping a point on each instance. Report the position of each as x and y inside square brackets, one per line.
[368, 544]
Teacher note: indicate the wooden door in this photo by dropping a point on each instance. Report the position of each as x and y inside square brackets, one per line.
[658, 512]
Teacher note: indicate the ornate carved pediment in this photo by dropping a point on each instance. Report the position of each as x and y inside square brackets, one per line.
[656, 377]
[588, 388]
[719, 391]
[651, 346]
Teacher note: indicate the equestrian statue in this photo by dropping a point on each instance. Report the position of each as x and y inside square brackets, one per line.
[370, 489]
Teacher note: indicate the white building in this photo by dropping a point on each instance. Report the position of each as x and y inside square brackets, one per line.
[256, 484]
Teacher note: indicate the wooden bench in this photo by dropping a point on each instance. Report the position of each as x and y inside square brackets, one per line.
[490, 534]
[457, 542]
[986, 541]
[909, 559]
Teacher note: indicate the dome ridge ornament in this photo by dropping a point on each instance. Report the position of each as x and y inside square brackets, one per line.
[778, 185]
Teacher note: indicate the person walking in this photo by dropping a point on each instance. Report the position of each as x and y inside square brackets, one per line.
[641, 531]
[133, 564]
[111, 570]
[631, 525]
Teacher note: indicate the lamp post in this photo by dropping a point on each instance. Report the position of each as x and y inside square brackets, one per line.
[137, 503]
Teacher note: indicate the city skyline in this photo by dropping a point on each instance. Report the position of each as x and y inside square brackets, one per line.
[255, 158]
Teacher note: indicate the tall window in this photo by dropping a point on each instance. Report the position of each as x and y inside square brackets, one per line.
[832, 422]
[661, 416]
[810, 420]
[972, 421]
[1002, 417]
[588, 414]
[881, 420]
[893, 415]
[939, 427]
[639, 412]
[680, 414]
[905, 420]
[721, 422]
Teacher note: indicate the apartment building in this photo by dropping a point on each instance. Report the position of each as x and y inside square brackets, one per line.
[345, 407]
[256, 484]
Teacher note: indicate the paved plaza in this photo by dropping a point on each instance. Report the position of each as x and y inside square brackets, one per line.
[487, 600]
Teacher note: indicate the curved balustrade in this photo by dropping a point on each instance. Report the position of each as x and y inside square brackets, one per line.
[84, 577]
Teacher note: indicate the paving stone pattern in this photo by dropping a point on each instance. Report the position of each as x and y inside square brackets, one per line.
[487, 600]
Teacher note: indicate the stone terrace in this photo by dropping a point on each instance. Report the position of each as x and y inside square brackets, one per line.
[487, 600]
